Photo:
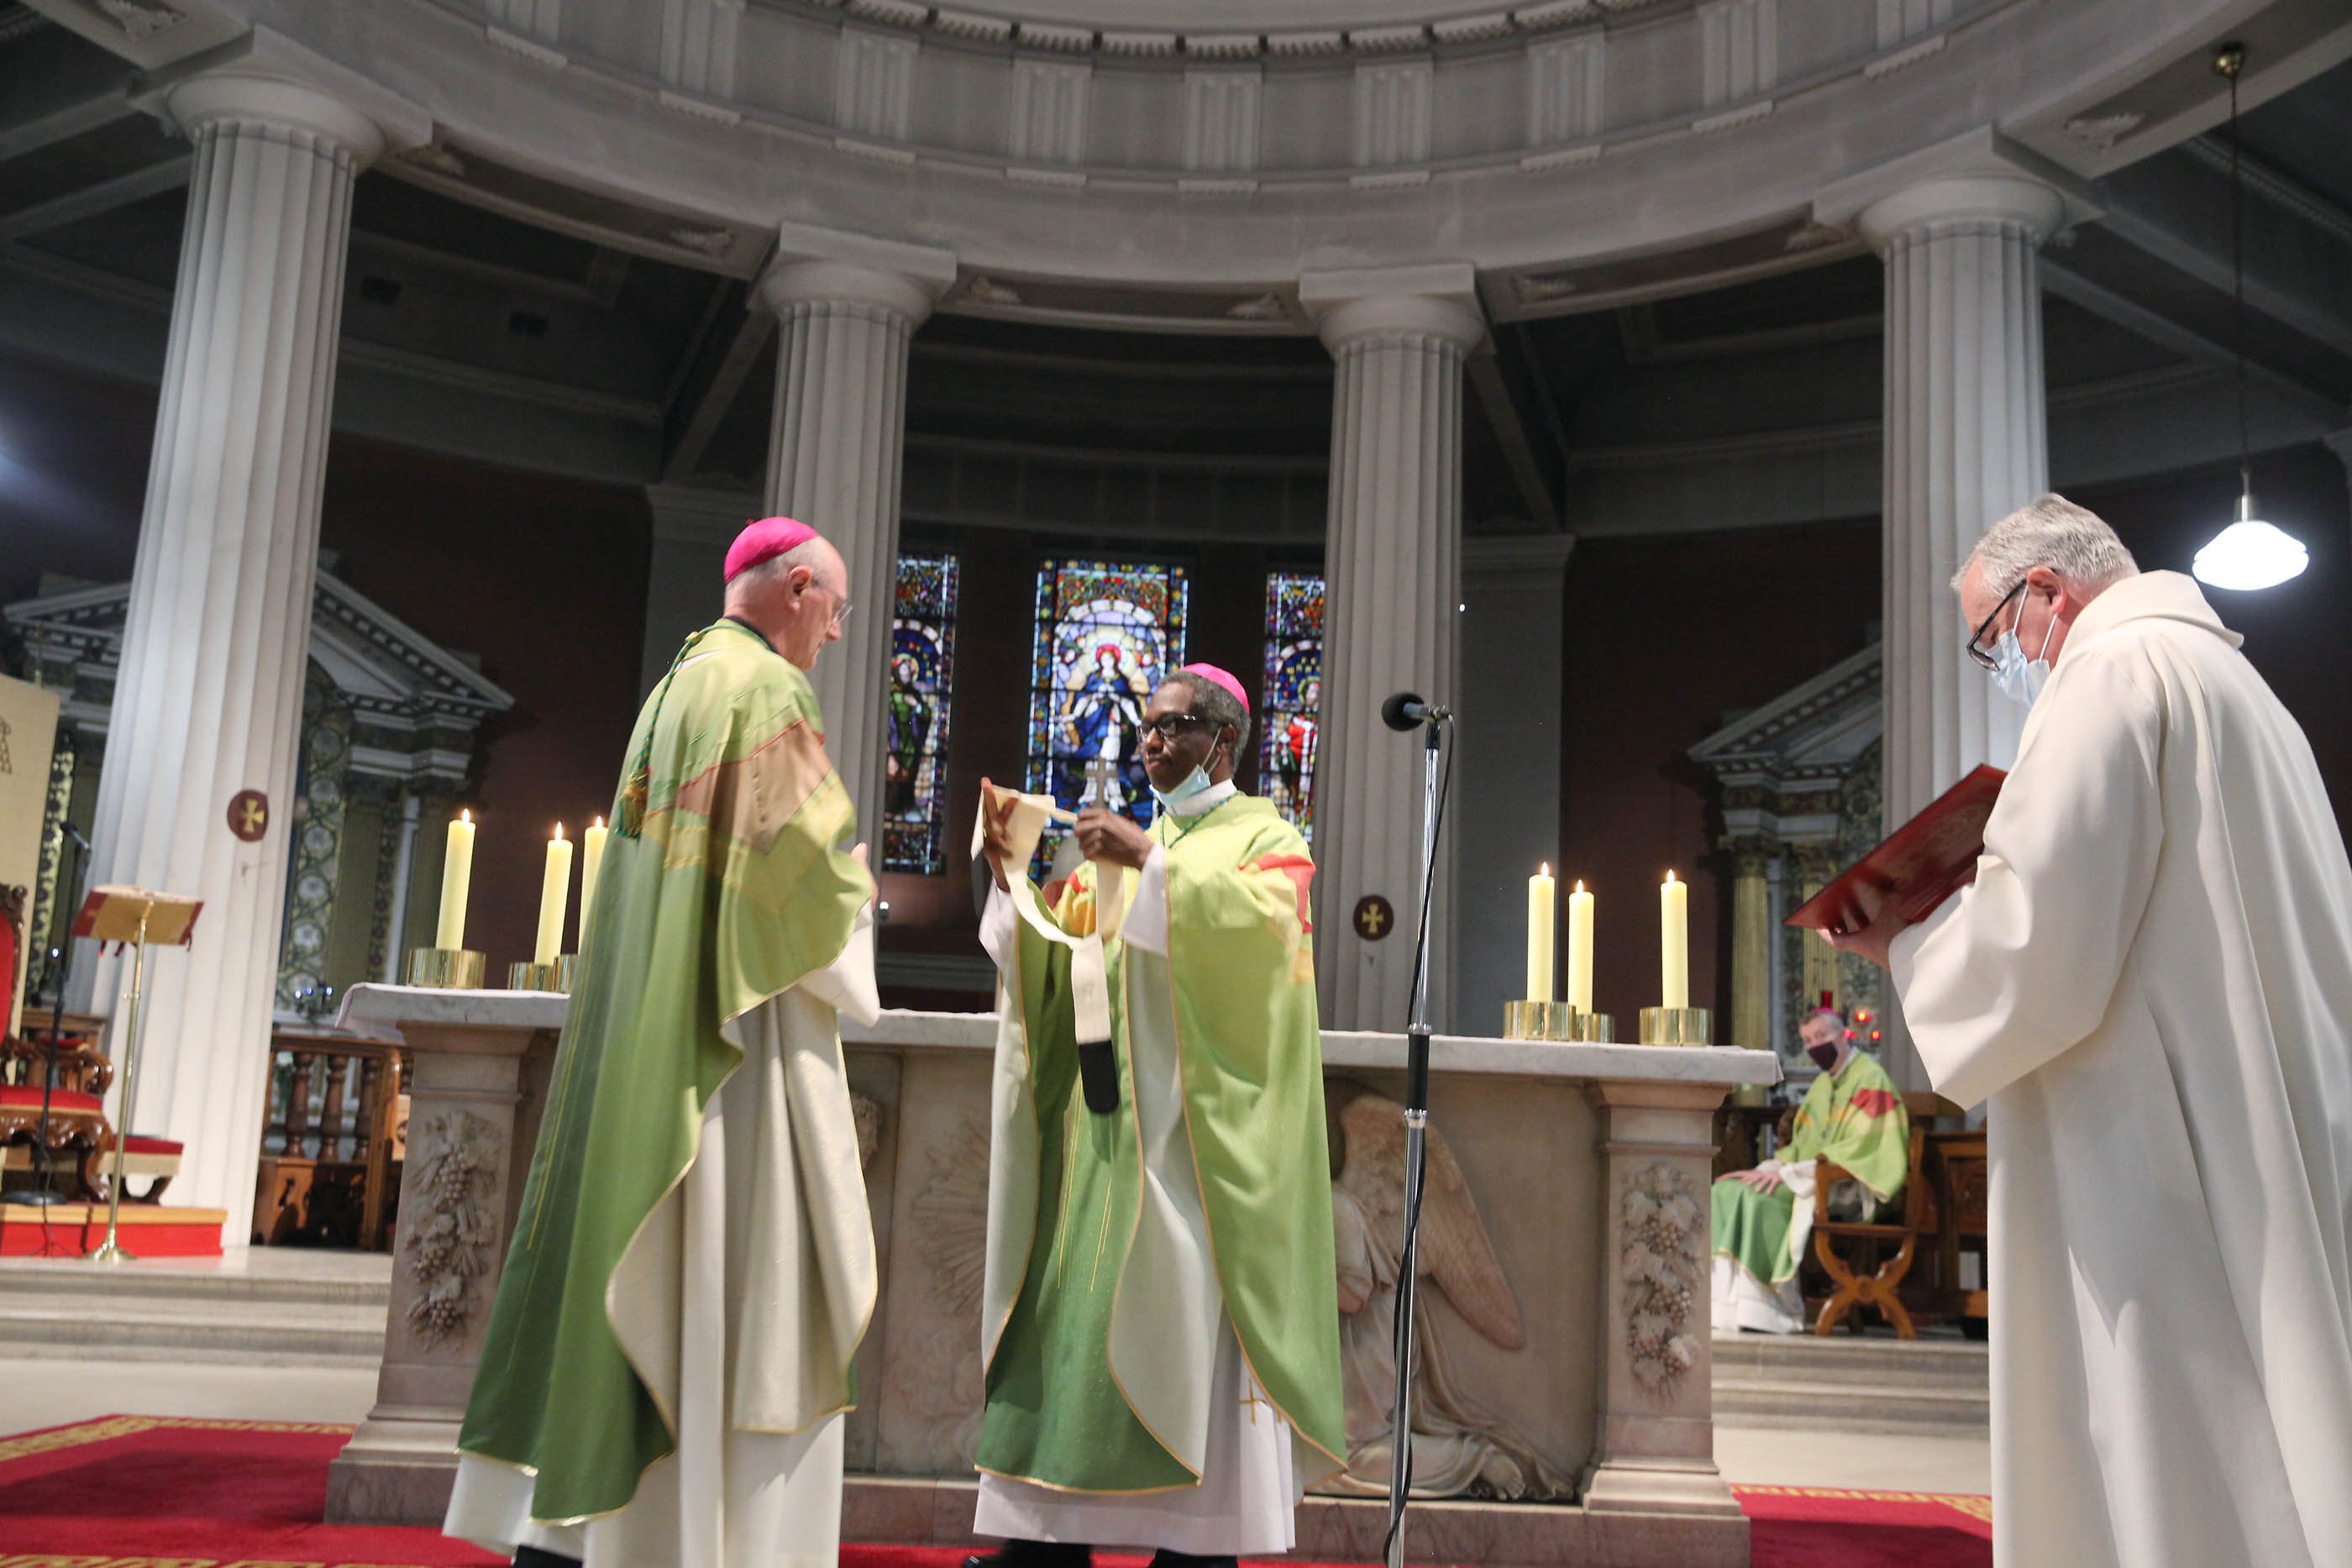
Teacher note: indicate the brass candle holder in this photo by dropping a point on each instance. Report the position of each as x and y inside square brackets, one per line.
[1535, 1020]
[447, 968]
[1557, 1022]
[1591, 1028]
[556, 977]
[1676, 1026]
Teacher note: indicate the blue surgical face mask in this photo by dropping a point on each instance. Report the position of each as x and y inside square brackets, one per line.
[1196, 784]
[2020, 679]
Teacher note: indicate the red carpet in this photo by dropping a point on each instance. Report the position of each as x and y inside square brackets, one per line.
[138, 1491]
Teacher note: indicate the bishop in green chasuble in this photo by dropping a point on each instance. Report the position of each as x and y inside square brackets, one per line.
[693, 1265]
[1160, 1309]
[1852, 1116]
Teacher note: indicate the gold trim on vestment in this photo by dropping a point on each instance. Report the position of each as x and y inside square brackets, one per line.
[1192, 1485]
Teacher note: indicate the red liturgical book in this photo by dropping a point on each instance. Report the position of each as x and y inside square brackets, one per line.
[1922, 863]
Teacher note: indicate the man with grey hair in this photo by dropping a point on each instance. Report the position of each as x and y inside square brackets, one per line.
[2151, 981]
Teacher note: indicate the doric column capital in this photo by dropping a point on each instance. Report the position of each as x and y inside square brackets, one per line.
[1399, 302]
[277, 83]
[824, 267]
[1978, 176]
[2005, 199]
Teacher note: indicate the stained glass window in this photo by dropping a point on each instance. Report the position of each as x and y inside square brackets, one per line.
[1293, 703]
[1107, 633]
[915, 755]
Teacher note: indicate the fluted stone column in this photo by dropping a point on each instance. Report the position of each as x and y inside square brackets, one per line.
[834, 461]
[209, 699]
[1967, 443]
[1753, 932]
[1393, 573]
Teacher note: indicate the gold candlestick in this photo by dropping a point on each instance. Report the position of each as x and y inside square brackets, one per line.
[1676, 1026]
[1591, 1028]
[1535, 1020]
[556, 977]
[447, 968]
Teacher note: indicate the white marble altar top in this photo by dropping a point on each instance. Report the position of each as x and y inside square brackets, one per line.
[378, 1012]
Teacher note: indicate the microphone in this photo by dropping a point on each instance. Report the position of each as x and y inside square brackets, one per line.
[70, 830]
[1406, 709]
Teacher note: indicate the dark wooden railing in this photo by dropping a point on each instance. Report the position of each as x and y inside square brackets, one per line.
[329, 1142]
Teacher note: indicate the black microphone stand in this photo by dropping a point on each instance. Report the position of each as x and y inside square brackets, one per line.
[1417, 1124]
[44, 1164]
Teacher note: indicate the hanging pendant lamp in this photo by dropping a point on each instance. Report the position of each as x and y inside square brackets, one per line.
[2250, 553]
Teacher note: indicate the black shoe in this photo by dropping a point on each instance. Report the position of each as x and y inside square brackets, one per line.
[1166, 1558]
[1035, 1554]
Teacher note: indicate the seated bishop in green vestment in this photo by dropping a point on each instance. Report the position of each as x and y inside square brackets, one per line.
[1852, 1116]
[693, 1264]
[1161, 1307]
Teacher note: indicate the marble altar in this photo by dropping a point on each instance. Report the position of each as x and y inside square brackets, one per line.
[1563, 1395]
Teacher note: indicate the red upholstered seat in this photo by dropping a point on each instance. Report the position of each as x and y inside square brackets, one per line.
[140, 1144]
[27, 1097]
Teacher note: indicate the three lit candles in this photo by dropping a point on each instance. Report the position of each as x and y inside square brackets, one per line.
[1674, 942]
[554, 893]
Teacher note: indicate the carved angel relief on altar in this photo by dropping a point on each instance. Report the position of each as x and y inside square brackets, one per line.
[1458, 1447]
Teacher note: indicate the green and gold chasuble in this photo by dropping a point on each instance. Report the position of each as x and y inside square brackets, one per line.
[724, 886]
[1102, 1305]
[1855, 1119]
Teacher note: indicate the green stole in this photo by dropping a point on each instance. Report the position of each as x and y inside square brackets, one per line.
[731, 888]
[1071, 1297]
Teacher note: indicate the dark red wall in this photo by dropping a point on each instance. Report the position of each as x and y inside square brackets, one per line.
[544, 579]
[1664, 637]
[73, 474]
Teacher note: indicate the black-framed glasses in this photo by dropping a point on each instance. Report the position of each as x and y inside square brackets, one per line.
[1168, 726]
[1976, 640]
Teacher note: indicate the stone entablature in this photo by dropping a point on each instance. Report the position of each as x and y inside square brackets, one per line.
[1086, 166]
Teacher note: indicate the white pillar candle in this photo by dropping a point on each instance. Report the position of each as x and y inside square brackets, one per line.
[1674, 943]
[1579, 949]
[457, 881]
[1542, 909]
[592, 865]
[554, 892]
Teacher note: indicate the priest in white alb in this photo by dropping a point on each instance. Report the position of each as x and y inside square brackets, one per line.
[2150, 984]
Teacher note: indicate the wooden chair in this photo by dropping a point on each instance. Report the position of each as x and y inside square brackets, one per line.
[1872, 1274]
[77, 1120]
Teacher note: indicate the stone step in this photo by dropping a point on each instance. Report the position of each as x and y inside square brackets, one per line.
[1946, 1412]
[327, 1310]
[343, 1336]
[1851, 1361]
[352, 1282]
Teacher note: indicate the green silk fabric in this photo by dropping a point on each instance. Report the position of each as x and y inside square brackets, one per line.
[1240, 978]
[734, 890]
[1855, 1119]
